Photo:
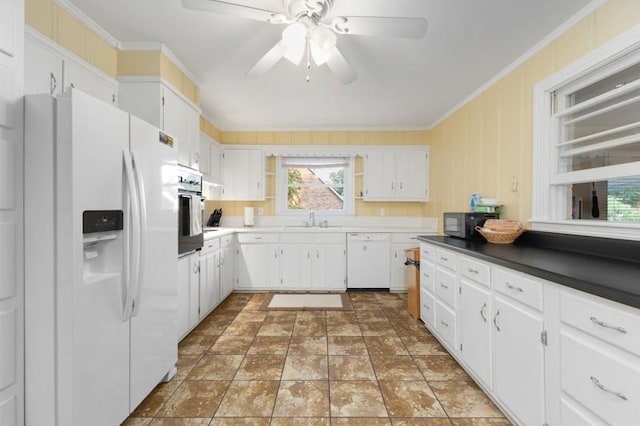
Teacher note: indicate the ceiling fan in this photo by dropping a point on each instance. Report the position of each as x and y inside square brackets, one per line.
[312, 29]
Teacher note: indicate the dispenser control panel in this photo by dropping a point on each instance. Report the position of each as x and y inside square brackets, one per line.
[101, 221]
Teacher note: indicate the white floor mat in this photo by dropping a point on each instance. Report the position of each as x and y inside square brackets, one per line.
[302, 301]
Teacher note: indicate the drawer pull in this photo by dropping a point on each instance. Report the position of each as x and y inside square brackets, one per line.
[495, 320]
[444, 323]
[514, 288]
[484, 318]
[426, 307]
[473, 271]
[605, 325]
[446, 287]
[607, 390]
[444, 259]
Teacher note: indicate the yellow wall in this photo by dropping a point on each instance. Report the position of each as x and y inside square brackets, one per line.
[235, 208]
[209, 129]
[57, 24]
[480, 147]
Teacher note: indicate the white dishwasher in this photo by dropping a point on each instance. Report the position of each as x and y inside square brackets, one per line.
[368, 260]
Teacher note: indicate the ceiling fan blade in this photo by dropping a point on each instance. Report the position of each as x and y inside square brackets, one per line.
[414, 28]
[241, 11]
[340, 67]
[267, 61]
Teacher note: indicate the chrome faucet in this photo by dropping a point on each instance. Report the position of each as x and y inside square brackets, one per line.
[312, 217]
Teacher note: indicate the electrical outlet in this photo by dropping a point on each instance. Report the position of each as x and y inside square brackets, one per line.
[260, 211]
[514, 184]
[382, 211]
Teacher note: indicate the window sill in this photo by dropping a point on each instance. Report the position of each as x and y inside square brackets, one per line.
[590, 228]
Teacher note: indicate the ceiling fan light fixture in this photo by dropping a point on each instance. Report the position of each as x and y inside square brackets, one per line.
[294, 41]
[320, 56]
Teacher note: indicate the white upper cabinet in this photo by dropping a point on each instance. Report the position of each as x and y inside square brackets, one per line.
[48, 69]
[160, 105]
[243, 174]
[210, 158]
[396, 174]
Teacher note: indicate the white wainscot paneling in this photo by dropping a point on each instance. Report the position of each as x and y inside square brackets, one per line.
[8, 349]
[7, 175]
[6, 97]
[7, 260]
[9, 411]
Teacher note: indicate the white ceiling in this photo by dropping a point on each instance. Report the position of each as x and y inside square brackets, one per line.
[402, 84]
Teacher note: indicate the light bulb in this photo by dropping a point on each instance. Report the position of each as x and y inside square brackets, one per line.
[294, 40]
[324, 38]
[319, 55]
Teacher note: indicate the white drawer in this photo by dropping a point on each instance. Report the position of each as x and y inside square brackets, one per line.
[211, 245]
[427, 253]
[601, 379]
[474, 270]
[427, 276]
[446, 324]
[572, 414]
[226, 240]
[613, 323]
[427, 309]
[331, 238]
[403, 237]
[446, 258]
[518, 287]
[258, 238]
[295, 238]
[446, 287]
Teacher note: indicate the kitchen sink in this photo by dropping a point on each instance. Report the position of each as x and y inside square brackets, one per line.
[311, 228]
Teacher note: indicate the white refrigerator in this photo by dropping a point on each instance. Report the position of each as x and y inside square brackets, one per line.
[101, 260]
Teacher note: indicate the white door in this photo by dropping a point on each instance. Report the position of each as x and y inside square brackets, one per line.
[194, 289]
[42, 69]
[215, 162]
[233, 174]
[475, 316]
[76, 75]
[227, 271]
[173, 123]
[258, 266]
[519, 359]
[208, 281]
[379, 175]
[154, 317]
[411, 174]
[11, 225]
[205, 154]
[93, 334]
[295, 266]
[184, 276]
[329, 267]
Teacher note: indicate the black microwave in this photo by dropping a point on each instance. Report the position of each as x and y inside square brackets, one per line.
[463, 225]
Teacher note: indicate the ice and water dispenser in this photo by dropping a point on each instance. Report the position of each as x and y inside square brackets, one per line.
[102, 243]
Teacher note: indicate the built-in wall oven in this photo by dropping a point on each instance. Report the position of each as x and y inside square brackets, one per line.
[190, 210]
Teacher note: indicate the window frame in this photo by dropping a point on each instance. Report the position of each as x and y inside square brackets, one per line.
[550, 192]
[282, 185]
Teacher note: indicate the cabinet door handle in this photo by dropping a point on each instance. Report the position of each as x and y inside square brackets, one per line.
[603, 388]
[514, 288]
[473, 271]
[400, 185]
[53, 83]
[317, 254]
[446, 287]
[196, 269]
[444, 259]
[495, 320]
[275, 254]
[605, 325]
[444, 323]
[484, 318]
[308, 255]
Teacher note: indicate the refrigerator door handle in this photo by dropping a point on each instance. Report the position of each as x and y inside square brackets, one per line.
[142, 229]
[134, 253]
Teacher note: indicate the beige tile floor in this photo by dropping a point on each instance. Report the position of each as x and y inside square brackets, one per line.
[373, 365]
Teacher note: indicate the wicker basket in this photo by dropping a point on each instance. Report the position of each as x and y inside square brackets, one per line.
[502, 225]
[499, 237]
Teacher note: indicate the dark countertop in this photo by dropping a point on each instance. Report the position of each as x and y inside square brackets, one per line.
[604, 267]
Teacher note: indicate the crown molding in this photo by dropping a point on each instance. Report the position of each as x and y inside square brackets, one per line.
[156, 45]
[88, 22]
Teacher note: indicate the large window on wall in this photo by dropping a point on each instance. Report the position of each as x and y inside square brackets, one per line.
[318, 184]
[587, 143]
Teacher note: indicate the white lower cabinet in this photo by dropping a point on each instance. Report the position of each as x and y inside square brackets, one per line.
[475, 337]
[209, 278]
[446, 325]
[519, 360]
[227, 266]
[188, 293]
[295, 262]
[427, 308]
